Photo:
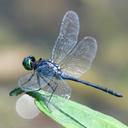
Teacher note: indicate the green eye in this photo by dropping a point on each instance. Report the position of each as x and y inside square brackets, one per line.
[28, 63]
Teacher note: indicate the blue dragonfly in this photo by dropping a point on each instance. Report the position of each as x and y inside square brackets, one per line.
[69, 60]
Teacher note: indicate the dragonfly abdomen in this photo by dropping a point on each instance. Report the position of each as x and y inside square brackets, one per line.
[102, 88]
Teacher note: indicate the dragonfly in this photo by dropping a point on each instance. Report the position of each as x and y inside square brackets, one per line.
[69, 60]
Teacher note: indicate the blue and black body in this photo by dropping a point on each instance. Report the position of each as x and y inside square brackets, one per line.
[49, 69]
[69, 60]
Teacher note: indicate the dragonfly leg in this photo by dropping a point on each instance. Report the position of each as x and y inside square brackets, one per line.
[45, 81]
[38, 81]
[53, 89]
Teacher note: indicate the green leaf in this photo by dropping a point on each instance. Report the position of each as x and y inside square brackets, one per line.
[73, 115]
[69, 113]
[17, 91]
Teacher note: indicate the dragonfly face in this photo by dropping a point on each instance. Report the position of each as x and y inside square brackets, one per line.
[29, 63]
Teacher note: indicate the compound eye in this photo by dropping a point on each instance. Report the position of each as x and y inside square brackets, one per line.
[28, 63]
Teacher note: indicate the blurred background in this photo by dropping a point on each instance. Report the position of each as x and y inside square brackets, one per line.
[29, 27]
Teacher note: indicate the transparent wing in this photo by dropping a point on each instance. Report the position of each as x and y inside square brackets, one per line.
[31, 82]
[67, 37]
[59, 87]
[80, 58]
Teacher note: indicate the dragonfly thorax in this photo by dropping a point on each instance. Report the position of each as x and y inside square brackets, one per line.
[48, 68]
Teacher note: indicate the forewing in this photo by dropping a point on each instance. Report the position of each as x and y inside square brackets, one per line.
[30, 82]
[80, 58]
[59, 87]
[67, 37]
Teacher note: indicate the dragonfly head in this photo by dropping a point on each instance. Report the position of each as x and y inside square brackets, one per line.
[29, 62]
